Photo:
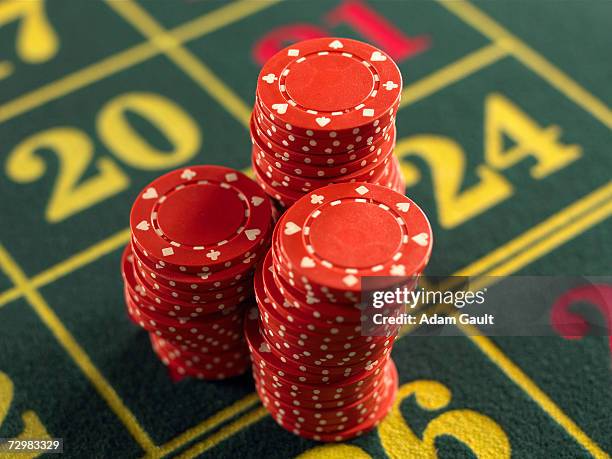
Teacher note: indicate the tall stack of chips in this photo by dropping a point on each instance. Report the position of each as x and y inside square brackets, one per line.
[197, 235]
[315, 369]
[325, 113]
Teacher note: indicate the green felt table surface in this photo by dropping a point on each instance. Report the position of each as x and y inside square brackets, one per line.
[504, 139]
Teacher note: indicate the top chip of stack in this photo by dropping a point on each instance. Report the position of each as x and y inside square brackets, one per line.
[200, 220]
[324, 113]
[197, 234]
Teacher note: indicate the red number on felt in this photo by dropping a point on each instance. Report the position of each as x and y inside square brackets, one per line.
[571, 325]
[378, 29]
[362, 18]
[278, 38]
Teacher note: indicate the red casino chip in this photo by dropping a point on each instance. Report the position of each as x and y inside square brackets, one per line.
[298, 180]
[197, 217]
[302, 426]
[261, 351]
[158, 291]
[172, 307]
[204, 281]
[319, 147]
[362, 85]
[275, 189]
[398, 245]
[295, 406]
[331, 394]
[316, 158]
[197, 236]
[226, 365]
[296, 165]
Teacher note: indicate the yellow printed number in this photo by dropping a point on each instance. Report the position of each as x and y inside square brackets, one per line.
[503, 117]
[332, 451]
[32, 427]
[479, 433]
[75, 151]
[446, 160]
[36, 41]
[132, 149]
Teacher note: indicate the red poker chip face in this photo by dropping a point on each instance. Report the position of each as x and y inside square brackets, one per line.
[329, 84]
[329, 236]
[202, 216]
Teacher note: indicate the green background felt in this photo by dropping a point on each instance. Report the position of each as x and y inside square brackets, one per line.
[87, 298]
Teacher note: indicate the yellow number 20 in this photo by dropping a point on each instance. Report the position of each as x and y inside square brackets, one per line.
[75, 152]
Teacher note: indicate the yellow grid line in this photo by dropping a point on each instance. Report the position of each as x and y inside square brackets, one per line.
[531, 244]
[123, 60]
[480, 21]
[527, 385]
[543, 229]
[74, 350]
[71, 264]
[207, 425]
[453, 72]
[223, 434]
[183, 58]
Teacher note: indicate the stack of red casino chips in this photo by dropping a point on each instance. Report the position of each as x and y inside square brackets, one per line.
[325, 113]
[197, 235]
[315, 370]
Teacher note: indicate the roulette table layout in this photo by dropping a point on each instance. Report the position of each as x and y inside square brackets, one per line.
[502, 138]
